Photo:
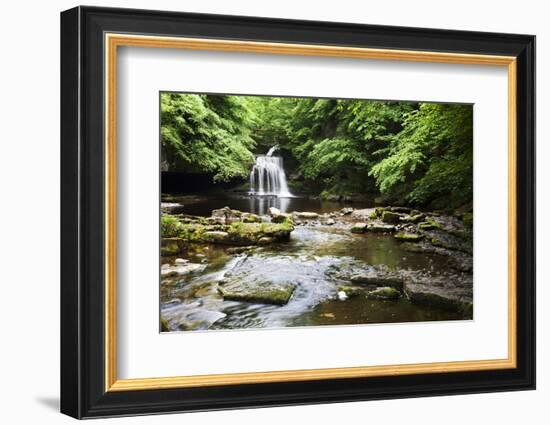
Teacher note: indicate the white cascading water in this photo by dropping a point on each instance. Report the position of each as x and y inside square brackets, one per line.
[268, 177]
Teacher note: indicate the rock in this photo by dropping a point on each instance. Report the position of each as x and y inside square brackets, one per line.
[381, 228]
[359, 228]
[390, 217]
[428, 225]
[170, 207]
[342, 296]
[266, 240]
[281, 218]
[365, 213]
[272, 211]
[305, 215]
[330, 222]
[378, 278]
[180, 261]
[262, 292]
[250, 218]
[226, 215]
[384, 293]
[448, 292]
[408, 237]
[350, 291]
[216, 236]
[346, 211]
[180, 270]
[416, 218]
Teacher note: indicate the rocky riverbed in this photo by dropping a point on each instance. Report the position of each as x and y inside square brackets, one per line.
[235, 269]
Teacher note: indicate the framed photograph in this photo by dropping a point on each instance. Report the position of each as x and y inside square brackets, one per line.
[261, 212]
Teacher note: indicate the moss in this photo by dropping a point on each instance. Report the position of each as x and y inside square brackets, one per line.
[384, 293]
[350, 291]
[169, 225]
[359, 228]
[164, 325]
[429, 225]
[468, 219]
[390, 217]
[408, 237]
[258, 292]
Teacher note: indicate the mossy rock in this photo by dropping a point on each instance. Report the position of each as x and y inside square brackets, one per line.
[262, 292]
[359, 228]
[384, 293]
[408, 237]
[350, 291]
[468, 219]
[429, 225]
[376, 278]
[390, 217]
[415, 218]
[250, 218]
[380, 228]
[164, 325]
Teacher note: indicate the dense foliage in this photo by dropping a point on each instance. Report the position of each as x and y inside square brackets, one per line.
[407, 152]
[207, 133]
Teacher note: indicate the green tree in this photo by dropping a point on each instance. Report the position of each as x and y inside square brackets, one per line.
[207, 133]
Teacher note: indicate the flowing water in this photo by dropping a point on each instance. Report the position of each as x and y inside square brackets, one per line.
[311, 260]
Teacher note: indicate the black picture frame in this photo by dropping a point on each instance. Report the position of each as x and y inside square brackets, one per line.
[83, 392]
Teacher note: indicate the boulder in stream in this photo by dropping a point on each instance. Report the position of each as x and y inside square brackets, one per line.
[408, 237]
[381, 228]
[376, 277]
[261, 292]
[453, 292]
[384, 293]
[359, 228]
[390, 217]
[176, 270]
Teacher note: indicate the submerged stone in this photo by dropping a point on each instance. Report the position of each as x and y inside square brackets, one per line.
[384, 293]
[448, 292]
[262, 292]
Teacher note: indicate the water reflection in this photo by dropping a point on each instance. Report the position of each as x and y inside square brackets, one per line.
[261, 204]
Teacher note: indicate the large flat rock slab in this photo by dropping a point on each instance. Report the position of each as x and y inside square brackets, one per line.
[262, 292]
[453, 292]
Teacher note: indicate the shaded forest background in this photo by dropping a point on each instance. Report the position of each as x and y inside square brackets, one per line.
[412, 153]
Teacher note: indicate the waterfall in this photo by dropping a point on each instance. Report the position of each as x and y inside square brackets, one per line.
[268, 176]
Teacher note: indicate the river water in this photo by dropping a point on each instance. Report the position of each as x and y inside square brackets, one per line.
[312, 260]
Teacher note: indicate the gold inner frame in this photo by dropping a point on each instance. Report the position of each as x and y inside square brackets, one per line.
[113, 41]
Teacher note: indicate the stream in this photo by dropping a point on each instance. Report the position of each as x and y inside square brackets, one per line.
[311, 260]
